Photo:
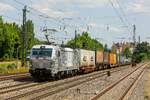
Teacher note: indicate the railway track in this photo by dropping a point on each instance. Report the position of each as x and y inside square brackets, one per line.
[126, 92]
[11, 86]
[10, 74]
[130, 89]
[24, 85]
[13, 76]
[52, 89]
[70, 86]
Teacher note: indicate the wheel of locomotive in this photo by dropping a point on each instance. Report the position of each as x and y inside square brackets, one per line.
[73, 73]
[35, 77]
[104, 66]
[77, 72]
[70, 73]
[65, 74]
[58, 76]
[101, 67]
[47, 77]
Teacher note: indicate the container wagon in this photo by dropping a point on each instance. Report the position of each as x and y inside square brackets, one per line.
[99, 60]
[87, 61]
[105, 60]
[112, 60]
[50, 61]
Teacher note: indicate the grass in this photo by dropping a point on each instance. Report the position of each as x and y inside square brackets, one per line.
[12, 67]
[147, 88]
[20, 70]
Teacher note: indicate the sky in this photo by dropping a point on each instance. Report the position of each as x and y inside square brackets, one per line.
[106, 20]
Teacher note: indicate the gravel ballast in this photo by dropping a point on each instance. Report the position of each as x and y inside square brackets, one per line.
[89, 89]
[84, 91]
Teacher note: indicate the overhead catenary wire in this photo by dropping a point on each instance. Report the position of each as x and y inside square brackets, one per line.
[123, 13]
[18, 20]
[118, 14]
[41, 15]
[59, 22]
[46, 16]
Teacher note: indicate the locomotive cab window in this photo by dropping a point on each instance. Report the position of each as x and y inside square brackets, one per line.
[47, 52]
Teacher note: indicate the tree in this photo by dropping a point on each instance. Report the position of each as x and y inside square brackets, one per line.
[2, 38]
[84, 41]
[29, 34]
[127, 52]
[106, 48]
[10, 39]
[114, 49]
[142, 52]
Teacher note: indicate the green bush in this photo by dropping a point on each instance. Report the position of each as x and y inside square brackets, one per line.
[3, 69]
[141, 53]
[11, 66]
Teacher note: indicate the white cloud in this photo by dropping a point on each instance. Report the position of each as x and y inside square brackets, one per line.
[91, 3]
[116, 30]
[104, 28]
[139, 6]
[50, 6]
[81, 3]
[5, 7]
[92, 25]
[46, 8]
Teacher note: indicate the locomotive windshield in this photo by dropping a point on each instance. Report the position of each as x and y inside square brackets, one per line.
[42, 52]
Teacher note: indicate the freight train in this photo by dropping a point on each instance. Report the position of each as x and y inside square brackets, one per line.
[53, 61]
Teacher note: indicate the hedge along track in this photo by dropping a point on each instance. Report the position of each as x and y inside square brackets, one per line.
[73, 83]
[104, 91]
[13, 76]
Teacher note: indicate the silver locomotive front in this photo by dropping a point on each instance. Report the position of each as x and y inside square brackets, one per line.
[42, 63]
